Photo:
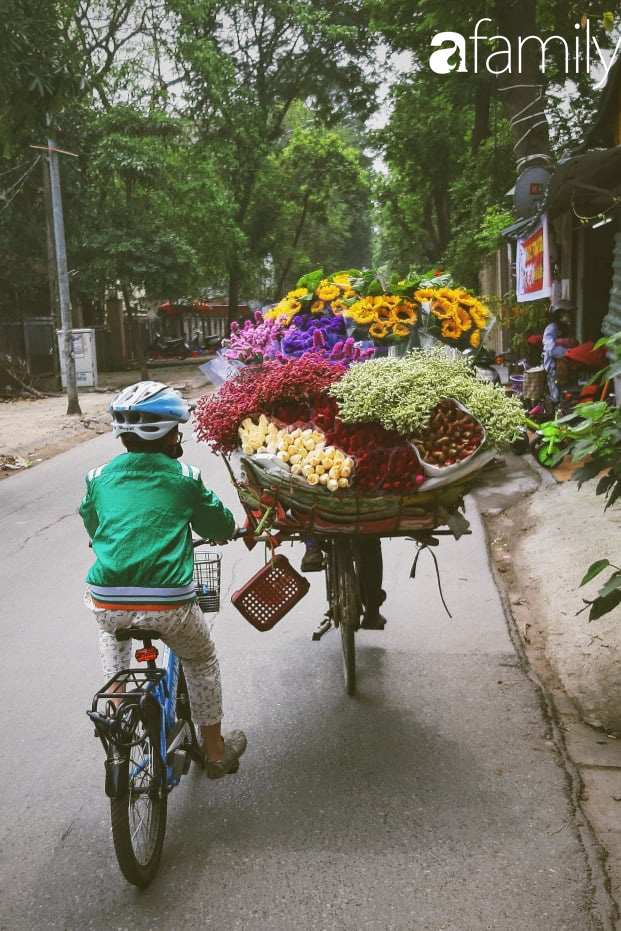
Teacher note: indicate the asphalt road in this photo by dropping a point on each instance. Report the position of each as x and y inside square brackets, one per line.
[435, 799]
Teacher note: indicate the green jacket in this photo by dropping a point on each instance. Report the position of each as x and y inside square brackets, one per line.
[138, 511]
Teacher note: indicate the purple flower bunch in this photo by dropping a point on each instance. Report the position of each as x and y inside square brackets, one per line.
[253, 342]
[310, 333]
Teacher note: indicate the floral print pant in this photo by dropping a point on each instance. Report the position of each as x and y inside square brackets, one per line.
[186, 632]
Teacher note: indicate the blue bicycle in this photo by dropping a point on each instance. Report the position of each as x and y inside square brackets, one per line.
[142, 717]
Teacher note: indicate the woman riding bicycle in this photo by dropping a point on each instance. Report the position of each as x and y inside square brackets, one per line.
[139, 511]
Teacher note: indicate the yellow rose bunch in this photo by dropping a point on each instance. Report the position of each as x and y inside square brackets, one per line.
[303, 450]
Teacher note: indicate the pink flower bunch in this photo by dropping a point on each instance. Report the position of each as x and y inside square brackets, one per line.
[264, 389]
[253, 342]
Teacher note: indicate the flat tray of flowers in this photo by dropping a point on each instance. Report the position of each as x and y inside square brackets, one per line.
[304, 507]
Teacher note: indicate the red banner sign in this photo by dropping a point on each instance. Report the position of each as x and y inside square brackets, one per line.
[532, 264]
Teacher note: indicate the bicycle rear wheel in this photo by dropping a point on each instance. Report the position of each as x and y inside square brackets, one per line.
[139, 815]
[348, 608]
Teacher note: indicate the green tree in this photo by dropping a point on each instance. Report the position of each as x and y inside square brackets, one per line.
[245, 65]
[39, 66]
[147, 212]
[322, 215]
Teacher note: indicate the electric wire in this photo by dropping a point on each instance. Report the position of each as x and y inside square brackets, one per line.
[18, 186]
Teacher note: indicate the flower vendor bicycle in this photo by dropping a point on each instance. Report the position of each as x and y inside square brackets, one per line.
[142, 717]
[293, 513]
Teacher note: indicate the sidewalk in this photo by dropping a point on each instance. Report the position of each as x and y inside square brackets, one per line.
[543, 534]
[32, 429]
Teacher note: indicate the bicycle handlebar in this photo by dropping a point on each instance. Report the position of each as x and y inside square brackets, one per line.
[202, 541]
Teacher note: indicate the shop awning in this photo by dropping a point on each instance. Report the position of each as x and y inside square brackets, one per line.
[587, 183]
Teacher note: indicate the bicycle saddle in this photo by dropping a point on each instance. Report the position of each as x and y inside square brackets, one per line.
[136, 633]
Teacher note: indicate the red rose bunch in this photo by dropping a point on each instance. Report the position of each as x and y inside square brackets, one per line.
[276, 388]
[383, 460]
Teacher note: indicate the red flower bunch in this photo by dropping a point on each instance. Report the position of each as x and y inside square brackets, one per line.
[383, 461]
[276, 388]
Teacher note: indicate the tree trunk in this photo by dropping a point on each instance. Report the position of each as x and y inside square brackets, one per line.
[521, 90]
[280, 287]
[482, 100]
[233, 292]
[135, 336]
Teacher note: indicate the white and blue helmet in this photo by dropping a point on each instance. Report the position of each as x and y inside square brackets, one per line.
[149, 409]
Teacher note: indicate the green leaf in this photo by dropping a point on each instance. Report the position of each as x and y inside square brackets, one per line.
[586, 472]
[310, 280]
[601, 606]
[595, 569]
[375, 287]
[612, 585]
[603, 485]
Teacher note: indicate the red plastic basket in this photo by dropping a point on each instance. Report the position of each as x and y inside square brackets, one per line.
[271, 593]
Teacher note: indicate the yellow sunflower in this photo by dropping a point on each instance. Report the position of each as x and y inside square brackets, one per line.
[463, 319]
[400, 329]
[317, 306]
[450, 329]
[327, 292]
[405, 312]
[362, 312]
[378, 330]
[475, 339]
[442, 308]
[286, 308]
[383, 312]
[298, 292]
[449, 293]
[423, 294]
[479, 314]
[342, 279]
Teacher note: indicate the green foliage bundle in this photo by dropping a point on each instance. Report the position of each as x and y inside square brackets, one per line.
[597, 439]
[401, 392]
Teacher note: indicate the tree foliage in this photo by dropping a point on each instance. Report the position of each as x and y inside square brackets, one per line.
[455, 142]
[180, 115]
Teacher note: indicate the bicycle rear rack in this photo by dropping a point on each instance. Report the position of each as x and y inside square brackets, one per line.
[138, 685]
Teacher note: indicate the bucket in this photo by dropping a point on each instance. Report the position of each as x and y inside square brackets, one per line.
[517, 383]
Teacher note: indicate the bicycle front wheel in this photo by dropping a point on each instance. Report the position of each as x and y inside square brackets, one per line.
[139, 815]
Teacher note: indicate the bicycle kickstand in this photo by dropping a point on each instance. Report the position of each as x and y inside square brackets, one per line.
[323, 628]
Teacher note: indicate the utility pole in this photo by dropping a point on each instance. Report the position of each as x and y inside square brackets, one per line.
[51, 267]
[64, 298]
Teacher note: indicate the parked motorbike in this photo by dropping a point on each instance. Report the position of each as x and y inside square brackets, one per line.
[167, 347]
[205, 344]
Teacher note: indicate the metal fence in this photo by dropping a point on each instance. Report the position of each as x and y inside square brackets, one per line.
[33, 340]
